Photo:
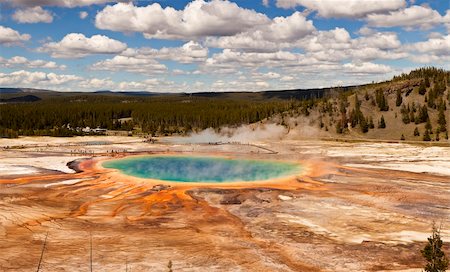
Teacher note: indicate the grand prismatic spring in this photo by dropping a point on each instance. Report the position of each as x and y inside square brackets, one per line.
[202, 169]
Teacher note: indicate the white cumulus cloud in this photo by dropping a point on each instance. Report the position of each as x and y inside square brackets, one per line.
[32, 79]
[32, 15]
[76, 45]
[436, 45]
[279, 33]
[145, 60]
[344, 8]
[9, 36]
[414, 16]
[19, 61]
[189, 52]
[130, 64]
[435, 50]
[366, 68]
[197, 19]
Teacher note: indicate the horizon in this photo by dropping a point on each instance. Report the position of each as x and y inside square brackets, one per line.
[205, 91]
[227, 91]
[236, 46]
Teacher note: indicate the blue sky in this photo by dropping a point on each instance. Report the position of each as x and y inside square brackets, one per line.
[189, 46]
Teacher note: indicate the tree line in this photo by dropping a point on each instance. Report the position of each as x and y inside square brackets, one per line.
[156, 116]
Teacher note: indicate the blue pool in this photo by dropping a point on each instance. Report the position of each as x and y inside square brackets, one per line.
[202, 169]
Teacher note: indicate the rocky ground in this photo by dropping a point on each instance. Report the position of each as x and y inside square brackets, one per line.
[360, 206]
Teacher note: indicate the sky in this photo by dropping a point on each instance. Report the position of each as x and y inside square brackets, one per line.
[200, 45]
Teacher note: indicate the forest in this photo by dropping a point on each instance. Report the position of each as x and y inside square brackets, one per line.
[153, 115]
[418, 98]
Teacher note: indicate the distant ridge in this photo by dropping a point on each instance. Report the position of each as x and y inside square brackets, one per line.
[21, 99]
[131, 93]
[23, 90]
[269, 94]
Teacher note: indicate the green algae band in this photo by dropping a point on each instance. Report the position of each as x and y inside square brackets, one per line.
[202, 169]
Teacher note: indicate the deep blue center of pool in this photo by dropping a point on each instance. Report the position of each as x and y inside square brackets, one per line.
[202, 169]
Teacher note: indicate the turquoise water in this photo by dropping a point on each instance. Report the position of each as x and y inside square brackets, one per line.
[201, 169]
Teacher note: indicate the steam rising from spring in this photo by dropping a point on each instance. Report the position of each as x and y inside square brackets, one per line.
[242, 134]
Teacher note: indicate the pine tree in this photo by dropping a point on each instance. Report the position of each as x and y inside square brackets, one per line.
[405, 115]
[382, 123]
[364, 125]
[416, 132]
[402, 138]
[433, 254]
[441, 120]
[339, 129]
[381, 101]
[432, 97]
[422, 88]
[426, 136]
[399, 99]
[422, 116]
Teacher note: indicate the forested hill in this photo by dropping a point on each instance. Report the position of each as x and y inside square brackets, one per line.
[412, 106]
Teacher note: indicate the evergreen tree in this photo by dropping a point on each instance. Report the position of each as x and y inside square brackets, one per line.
[405, 115]
[364, 125]
[431, 98]
[422, 116]
[382, 123]
[426, 136]
[416, 132]
[402, 138]
[433, 254]
[422, 88]
[441, 119]
[339, 129]
[381, 100]
[356, 115]
[399, 99]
